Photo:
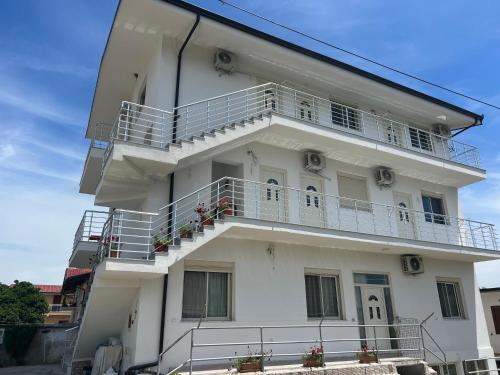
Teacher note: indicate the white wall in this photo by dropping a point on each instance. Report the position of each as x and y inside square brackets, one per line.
[270, 290]
[491, 299]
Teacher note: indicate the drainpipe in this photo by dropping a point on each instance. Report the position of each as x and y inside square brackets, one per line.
[172, 179]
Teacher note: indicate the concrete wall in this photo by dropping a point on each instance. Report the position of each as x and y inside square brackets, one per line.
[491, 299]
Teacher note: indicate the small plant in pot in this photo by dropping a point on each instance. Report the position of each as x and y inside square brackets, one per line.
[224, 207]
[161, 241]
[186, 231]
[313, 358]
[367, 355]
[205, 219]
[252, 362]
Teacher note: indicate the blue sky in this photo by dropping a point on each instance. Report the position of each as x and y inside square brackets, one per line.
[49, 58]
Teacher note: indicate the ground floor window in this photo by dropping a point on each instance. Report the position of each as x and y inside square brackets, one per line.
[206, 294]
[450, 369]
[477, 365]
[322, 296]
[450, 298]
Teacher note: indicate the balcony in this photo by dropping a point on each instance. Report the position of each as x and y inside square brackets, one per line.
[87, 238]
[248, 209]
[93, 162]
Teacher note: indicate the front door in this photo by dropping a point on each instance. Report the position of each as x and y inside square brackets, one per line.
[273, 195]
[312, 202]
[404, 215]
[375, 315]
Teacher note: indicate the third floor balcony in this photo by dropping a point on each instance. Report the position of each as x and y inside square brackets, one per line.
[283, 117]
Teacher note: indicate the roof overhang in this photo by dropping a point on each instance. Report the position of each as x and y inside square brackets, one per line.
[140, 25]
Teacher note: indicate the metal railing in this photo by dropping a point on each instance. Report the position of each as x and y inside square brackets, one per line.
[481, 366]
[133, 234]
[101, 136]
[90, 227]
[155, 127]
[336, 341]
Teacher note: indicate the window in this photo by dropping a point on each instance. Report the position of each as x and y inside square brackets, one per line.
[420, 139]
[477, 365]
[344, 116]
[269, 194]
[371, 278]
[354, 191]
[315, 197]
[450, 369]
[495, 312]
[451, 299]
[270, 100]
[434, 209]
[305, 111]
[322, 296]
[205, 294]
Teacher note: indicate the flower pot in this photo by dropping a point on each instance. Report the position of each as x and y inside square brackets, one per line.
[312, 361]
[161, 248]
[252, 366]
[207, 221]
[227, 211]
[187, 234]
[367, 358]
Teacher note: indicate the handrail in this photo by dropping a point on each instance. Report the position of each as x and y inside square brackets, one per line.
[321, 339]
[152, 126]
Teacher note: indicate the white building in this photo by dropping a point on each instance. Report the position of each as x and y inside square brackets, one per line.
[491, 306]
[316, 177]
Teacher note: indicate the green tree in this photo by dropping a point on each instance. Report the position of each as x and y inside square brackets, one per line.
[22, 309]
[21, 303]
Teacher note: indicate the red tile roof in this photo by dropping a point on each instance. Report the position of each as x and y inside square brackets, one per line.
[48, 288]
[72, 271]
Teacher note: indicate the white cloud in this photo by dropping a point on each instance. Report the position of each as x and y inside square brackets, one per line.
[6, 151]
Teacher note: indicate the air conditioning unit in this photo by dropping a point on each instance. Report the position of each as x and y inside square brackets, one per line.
[412, 264]
[442, 130]
[224, 61]
[384, 176]
[314, 161]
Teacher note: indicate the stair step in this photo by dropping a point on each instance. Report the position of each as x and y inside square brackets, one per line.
[219, 221]
[197, 138]
[208, 135]
[174, 247]
[208, 227]
[175, 145]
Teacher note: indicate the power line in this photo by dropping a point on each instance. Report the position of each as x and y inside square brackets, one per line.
[359, 56]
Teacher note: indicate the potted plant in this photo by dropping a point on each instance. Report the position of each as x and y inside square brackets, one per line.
[111, 245]
[313, 358]
[202, 213]
[161, 242]
[224, 207]
[366, 355]
[186, 231]
[252, 362]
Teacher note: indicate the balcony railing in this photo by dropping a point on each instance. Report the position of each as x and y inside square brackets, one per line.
[133, 234]
[157, 128]
[90, 227]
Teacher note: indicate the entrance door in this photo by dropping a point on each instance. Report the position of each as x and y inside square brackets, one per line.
[273, 195]
[375, 313]
[404, 215]
[312, 203]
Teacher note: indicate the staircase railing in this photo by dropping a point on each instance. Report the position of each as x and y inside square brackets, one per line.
[154, 127]
[138, 235]
[336, 341]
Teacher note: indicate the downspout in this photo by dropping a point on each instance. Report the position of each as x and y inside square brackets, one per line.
[477, 121]
[172, 176]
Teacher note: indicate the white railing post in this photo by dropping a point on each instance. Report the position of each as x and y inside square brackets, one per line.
[208, 116]
[186, 121]
[473, 238]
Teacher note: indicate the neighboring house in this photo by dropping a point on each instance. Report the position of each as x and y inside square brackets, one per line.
[74, 290]
[57, 313]
[264, 184]
[491, 305]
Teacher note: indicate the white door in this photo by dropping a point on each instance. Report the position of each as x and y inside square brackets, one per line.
[404, 216]
[306, 111]
[375, 314]
[273, 205]
[312, 202]
[393, 134]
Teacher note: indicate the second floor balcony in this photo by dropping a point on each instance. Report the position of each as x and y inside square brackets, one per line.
[268, 212]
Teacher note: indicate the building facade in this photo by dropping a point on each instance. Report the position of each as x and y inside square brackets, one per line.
[249, 182]
[491, 306]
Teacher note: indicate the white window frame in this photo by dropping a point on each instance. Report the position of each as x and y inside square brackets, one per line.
[429, 194]
[343, 116]
[459, 298]
[331, 274]
[346, 202]
[429, 148]
[230, 288]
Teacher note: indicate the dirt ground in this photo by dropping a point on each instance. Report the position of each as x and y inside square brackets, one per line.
[32, 370]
